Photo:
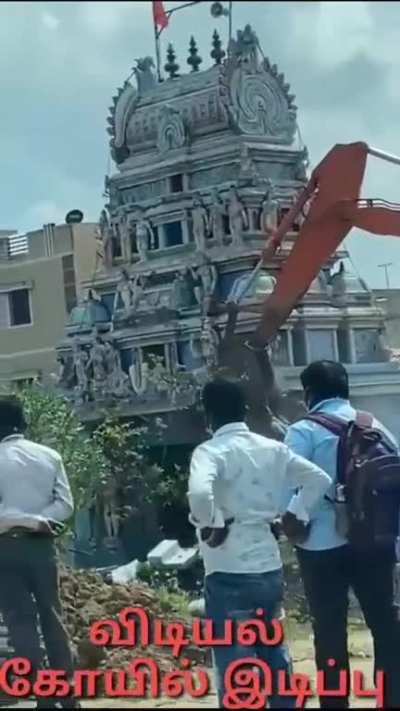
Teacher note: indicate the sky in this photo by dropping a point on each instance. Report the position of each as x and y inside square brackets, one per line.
[61, 62]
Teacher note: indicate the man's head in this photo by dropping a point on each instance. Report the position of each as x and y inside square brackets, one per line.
[12, 418]
[224, 402]
[323, 380]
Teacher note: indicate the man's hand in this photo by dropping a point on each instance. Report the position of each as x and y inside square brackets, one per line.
[50, 527]
[296, 531]
[215, 537]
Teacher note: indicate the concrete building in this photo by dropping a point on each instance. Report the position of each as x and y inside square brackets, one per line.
[40, 274]
[389, 301]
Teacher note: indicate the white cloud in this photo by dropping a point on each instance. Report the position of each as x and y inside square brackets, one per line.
[50, 21]
[341, 59]
[106, 19]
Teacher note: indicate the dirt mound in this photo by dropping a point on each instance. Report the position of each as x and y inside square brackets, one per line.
[86, 599]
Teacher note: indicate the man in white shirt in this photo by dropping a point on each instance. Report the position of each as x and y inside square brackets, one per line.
[243, 478]
[35, 498]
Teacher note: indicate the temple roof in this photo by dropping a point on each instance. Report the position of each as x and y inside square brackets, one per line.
[245, 95]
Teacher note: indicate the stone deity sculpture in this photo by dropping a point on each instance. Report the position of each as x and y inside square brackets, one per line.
[200, 224]
[145, 237]
[206, 277]
[125, 231]
[116, 378]
[80, 360]
[105, 234]
[97, 362]
[217, 213]
[269, 211]
[209, 344]
[66, 372]
[182, 294]
[125, 292]
[139, 374]
[238, 220]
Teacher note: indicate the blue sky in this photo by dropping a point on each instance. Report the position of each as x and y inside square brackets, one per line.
[61, 62]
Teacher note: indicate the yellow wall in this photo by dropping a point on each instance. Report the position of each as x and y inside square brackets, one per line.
[26, 351]
[25, 348]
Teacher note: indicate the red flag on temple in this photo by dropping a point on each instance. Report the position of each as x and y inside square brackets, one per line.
[160, 17]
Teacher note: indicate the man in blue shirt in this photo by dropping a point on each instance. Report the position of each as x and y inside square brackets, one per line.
[329, 567]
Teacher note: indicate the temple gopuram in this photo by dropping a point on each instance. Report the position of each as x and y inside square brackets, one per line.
[207, 162]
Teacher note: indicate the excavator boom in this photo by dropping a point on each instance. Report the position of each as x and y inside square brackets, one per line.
[335, 208]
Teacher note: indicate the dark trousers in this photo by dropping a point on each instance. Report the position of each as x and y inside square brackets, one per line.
[328, 576]
[29, 590]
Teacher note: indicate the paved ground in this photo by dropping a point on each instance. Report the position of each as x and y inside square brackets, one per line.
[360, 647]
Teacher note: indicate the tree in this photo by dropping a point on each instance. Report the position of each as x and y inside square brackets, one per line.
[113, 457]
[52, 421]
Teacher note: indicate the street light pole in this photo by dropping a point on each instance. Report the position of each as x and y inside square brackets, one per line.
[385, 267]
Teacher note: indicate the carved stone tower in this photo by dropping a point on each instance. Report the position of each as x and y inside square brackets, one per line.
[207, 163]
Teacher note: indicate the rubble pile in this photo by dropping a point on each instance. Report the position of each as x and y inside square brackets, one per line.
[86, 599]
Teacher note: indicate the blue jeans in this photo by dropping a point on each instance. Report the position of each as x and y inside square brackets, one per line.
[237, 597]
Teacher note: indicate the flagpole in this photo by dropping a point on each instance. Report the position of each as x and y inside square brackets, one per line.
[230, 21]
[158, 53]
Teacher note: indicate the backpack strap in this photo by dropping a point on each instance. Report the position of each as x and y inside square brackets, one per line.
[364, 419]
[332, 423]
[339, 428]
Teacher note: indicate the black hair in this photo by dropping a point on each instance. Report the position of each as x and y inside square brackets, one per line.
[12, 418]
[325, 379]
[224, 401]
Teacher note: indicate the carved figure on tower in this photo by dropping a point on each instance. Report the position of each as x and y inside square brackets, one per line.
[97, 363]
[269, 210]
[139, 373]
[217, 214]
[125, 231]
[117, 380]
[125, 292]
[206, 277]
[200, 223]
[182, 294]
[209, 344]
[80, 362]
[105, 234]
[238, 221]
[145, 237]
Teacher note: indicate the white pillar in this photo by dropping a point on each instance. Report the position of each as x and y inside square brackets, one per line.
[290, 345]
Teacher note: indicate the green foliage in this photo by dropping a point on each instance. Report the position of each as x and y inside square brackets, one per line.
[132, 475]
[157, 578]
[172, 600]
[113, 459]
[51, 421]
[110, 461]
[172, 487]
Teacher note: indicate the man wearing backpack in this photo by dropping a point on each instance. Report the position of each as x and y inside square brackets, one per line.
[350, 542]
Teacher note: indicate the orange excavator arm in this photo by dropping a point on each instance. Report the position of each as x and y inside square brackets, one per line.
[333, 194]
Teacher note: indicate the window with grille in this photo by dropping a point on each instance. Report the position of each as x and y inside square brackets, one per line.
[176, 183]
[15, 308]
[173, 234]
[69, 282]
